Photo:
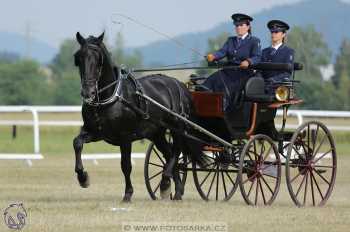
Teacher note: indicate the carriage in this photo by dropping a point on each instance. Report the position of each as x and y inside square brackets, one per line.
[246, 149]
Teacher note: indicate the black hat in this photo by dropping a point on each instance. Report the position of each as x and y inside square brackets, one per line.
[277, 26]
[241, 18]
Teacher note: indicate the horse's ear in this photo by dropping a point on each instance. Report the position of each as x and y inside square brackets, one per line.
[100, 38]
[80, 39]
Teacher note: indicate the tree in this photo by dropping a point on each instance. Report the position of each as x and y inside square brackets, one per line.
[342, 64]
[67, 90]
[64, 60]
[23, 83]
[8, 57]
[214, 44]
[310, 49]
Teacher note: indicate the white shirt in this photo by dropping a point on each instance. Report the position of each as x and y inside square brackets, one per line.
[244, 36]
[277, 46]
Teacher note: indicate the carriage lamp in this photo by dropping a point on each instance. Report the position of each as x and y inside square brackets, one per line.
[282, 93]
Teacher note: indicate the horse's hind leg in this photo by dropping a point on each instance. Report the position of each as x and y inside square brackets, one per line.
[78, 142]
[165, 148]
[176, 150]
[126, 168]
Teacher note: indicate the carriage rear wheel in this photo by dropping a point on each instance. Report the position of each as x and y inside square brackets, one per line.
[260, 171]
[217, 179]
[311, 164]
[153, 170]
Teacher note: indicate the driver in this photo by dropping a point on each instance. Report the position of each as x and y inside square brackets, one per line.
[278, 52]
[241, 50]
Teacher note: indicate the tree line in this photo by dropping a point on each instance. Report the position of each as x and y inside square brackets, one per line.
[26, 82]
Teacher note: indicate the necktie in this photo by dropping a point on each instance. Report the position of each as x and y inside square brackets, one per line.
[239, 41]
[273, 51]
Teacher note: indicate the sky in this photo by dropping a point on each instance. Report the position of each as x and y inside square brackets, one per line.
[53, 21]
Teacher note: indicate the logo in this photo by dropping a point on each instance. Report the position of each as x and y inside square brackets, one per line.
[15, 216]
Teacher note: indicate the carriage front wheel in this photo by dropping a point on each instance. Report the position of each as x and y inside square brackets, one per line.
[153, 170]
[260, 171]
[311, 164]
[217, 179]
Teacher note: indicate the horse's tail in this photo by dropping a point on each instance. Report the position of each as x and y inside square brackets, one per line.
[193, 149]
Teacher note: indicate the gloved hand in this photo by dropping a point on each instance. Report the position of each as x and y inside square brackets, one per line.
[210, 57]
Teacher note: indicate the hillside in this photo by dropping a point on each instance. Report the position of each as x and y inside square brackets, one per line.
[330, 17]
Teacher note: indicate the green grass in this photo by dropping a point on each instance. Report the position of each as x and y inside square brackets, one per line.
[55, 202]
[58, 140]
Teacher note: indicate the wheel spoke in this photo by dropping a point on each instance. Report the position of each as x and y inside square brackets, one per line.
[157, 165]
[323, 166]
[233, 183]
[262, 191]
[318, 187]
[256, 193]
[312, 190]
[217, 184]
[268, 186]
[305, 193]
[270, 165]
[211, 184]
[319, 158]
[274, 177]
[250, 178]
[156, 189]
[223, 183]
[319, 146]
[157, 174]
[315, 139]
[160, 158]
[301, 184]
[308, 137]
[250, 188]
[294, 178]
[205, 178]
[267, 154]
[325, 180]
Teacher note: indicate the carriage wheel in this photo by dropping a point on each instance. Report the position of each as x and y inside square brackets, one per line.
[311, 164]
[153, 170]
[217, 179]
[260, 171]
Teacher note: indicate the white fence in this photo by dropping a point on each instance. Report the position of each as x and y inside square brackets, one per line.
[36, 123]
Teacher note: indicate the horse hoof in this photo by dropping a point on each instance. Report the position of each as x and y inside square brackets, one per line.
[84, 179]
[165, 194]
[127, 199]
[177, 197]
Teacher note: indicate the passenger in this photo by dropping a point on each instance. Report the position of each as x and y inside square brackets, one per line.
[278, 52]
[241, 50]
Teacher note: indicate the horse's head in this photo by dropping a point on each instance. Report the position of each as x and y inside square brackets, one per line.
[89, 58]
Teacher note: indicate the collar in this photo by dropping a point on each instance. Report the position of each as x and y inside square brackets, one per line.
[277, 46]
[243, 36]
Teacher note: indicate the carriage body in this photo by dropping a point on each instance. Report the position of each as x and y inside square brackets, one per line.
[259, 150]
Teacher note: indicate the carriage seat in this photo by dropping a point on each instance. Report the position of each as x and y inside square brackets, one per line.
[255, 90]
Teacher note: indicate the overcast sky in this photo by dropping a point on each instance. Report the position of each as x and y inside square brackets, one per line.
[52, 21]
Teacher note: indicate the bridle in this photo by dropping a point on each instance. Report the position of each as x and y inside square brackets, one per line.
[117, 90]
[123, 75]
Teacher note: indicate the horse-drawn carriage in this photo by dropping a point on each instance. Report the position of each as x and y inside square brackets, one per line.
[241, 147]
[254, 160]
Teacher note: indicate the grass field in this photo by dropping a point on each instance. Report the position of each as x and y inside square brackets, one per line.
[55, 201]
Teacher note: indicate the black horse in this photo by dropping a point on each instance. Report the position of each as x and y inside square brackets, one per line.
[113, 112]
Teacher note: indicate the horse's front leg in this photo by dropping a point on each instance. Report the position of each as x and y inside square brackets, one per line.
[78, 142]
[126, 168]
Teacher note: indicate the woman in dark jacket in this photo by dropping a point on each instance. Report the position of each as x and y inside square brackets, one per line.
[241, 50]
